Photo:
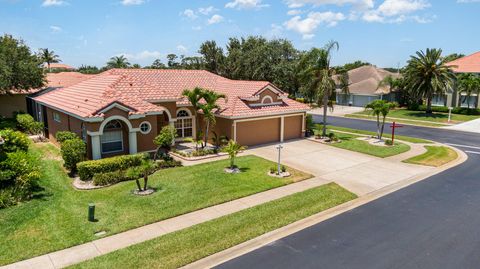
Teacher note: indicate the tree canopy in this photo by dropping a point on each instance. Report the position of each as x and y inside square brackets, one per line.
[20, 69]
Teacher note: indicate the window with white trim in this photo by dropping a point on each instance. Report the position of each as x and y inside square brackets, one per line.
[267, 99]
[145, 127]
[184, 124]
[112, 138]
[56, 117]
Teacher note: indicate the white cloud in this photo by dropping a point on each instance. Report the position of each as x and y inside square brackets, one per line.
[308, 25]
[55, 29]
[358, 4]
[400, 7]
[49, 3]
[215, 19]
[468, 1]
[276, 31]
[207, 10]
[132, 2]
[294, 12]
[246, 4]
[182, 49]
[189, 14]
[143, 55]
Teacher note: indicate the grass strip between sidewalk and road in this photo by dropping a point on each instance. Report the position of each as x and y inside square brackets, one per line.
[435, 156]
[191, 244]
[362, 132]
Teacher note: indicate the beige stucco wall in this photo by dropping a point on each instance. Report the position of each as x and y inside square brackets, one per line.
[12, 103]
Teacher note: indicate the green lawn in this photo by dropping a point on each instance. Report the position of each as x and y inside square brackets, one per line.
[57, 218]
[401, 137]
[350, 142]
[191, 244]
[412, 117]
[435, 156]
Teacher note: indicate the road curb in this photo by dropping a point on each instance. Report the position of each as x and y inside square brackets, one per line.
[265, 239]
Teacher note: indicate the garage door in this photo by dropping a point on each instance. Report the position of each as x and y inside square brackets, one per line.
[293, 127]
[257, 132]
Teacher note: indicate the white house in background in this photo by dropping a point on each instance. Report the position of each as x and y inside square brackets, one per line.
[363, 86]
[467, 64]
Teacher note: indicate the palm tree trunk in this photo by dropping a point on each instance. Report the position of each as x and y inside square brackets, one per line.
[145, 180]
[429, 104]
[378, 127]
[206, 133]
[232, 162]
[325, 109]
[383, 127]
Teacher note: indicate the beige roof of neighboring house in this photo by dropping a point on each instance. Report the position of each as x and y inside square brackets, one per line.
[467, 64]
[56, 80]
[364, 80]
[139, 89]
[59, 66]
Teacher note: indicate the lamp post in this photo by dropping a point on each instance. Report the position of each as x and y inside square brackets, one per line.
[279, 148]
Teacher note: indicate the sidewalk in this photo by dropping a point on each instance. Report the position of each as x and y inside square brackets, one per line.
[90, 250]
[472, 126]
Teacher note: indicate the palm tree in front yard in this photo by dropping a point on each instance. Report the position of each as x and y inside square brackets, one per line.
[194, 96]
[317, 77]
[427, 74]
[48, 57]
[233, 148]
[377, 108]
[209, 108]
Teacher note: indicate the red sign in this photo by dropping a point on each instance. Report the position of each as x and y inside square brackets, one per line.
[393, 126]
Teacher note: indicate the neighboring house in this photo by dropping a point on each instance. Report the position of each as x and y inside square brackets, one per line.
[18, 101]
[363, 86]
[467, 64]
[59, 67]
[121, 111]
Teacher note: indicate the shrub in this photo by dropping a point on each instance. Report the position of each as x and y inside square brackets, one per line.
[73, 152]
[284, 169]
[168, 163]
[309, 123]
[388, 142]
[13, 141]
[63, 136]
[26, 123]
[444, 109]
[87, 169]
[301, 100]
[103, 179]
[166, 137]
[273, 170]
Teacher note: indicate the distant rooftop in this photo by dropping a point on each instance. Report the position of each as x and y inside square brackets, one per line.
[467, 64]
[365, 79]
[60, 66]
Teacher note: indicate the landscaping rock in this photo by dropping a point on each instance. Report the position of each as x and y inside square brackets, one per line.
[374, 141]
[85, 185]
[281, 175]
[232, 171]
[143, 192]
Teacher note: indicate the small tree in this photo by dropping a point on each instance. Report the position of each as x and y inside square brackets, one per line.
[73, 152]
[164, 139]
[233, 148]
[380, 107]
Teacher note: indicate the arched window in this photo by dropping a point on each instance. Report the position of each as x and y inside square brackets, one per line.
[184, 124]
[267, 99]
[112, 138]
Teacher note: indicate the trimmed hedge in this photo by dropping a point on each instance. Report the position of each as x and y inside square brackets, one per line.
[26, 123]
[63, 136]
[73, 152]
[444, 109]
[87, 169]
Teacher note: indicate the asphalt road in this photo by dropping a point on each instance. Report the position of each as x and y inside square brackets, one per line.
[434, 223]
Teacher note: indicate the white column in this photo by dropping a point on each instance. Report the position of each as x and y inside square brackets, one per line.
[172, 123]
[303, 122]
[282, 128]
[235, 131]
[132, 142]
[96, 147]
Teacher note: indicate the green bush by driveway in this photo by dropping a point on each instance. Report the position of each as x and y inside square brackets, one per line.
[57, 218]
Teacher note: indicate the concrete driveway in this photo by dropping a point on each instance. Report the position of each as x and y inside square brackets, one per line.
[359, 173]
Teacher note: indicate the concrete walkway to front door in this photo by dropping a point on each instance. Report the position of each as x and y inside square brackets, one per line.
[357, 172]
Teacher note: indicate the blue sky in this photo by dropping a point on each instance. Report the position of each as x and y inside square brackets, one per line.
[383, 32]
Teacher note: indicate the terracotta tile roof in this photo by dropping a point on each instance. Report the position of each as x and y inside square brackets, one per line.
[138, 89]
[59, 66]
[365, 79]
[61, 79]
[467, 64]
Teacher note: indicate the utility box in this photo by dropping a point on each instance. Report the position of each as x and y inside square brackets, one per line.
[91, 212]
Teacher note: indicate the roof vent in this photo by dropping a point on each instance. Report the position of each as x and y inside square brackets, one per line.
[131, 84]
[86, 99]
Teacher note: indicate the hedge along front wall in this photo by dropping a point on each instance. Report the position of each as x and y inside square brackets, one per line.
[87, 169]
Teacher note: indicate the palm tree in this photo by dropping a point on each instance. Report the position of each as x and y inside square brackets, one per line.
[233, 148]
[380, 107]
[317, 76]
[194, 96]
[208, 109]
[344, 84]
[427, 74]
[468, 84]
[48, 56]
[118, 62]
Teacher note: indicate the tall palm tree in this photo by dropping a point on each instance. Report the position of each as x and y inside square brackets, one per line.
[194, 96]
[118, 62]
[48, 57]
[317, 76]
[208, 108]
[427, 74]
[468, 84]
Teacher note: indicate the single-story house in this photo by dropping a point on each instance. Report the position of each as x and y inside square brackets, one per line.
[59, 67]
[467, 64]
[19, 101]
[120, 111]
[364, 86]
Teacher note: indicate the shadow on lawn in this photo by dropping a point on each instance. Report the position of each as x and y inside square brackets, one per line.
[425, 115]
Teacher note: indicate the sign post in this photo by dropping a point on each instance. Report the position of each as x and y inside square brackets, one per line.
[449, 113]
[279, 147]
[393, 126]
